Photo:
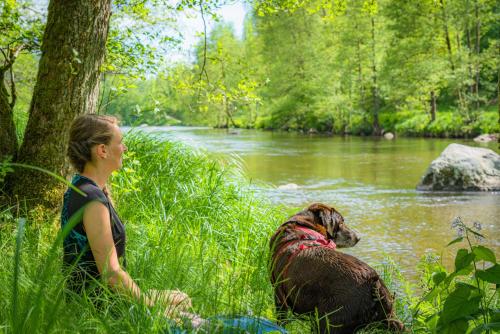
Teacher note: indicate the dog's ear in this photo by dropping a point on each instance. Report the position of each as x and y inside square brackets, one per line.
[316, 208]
[323, 216]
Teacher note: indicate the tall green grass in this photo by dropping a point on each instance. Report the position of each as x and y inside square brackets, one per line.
[192, 225]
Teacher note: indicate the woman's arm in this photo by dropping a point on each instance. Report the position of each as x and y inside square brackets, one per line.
[98, 228]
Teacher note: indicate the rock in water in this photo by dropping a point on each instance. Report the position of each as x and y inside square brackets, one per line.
[388, 136]
[486, 138]
[288, 186]
[463, 168]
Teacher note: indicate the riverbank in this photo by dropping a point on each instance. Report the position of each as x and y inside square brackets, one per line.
[405, 123]
[192, 224]
[448, 124]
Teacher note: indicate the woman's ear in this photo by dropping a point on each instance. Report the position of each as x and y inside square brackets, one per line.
[101, 151]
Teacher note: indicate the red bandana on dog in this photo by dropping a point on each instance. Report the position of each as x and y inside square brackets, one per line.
[290, 247]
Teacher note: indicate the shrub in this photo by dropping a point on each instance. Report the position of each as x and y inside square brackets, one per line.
[191, 225]
[465, 300]
[414, 126]
[446, 124]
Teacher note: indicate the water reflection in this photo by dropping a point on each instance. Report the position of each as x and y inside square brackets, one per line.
[370, 181]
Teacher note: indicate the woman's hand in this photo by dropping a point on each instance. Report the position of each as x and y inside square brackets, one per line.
[177, 306]
[171, 300]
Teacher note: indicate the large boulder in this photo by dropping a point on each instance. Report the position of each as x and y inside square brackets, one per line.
[463, 168]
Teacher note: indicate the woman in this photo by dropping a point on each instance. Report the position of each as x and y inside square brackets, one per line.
[94, 249]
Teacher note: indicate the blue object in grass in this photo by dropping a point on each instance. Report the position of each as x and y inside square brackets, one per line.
[234, 325]
[246, 324]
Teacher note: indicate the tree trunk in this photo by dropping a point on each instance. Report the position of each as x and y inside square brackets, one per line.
[8, 136]
[433, 106]
[73, 50]
[447, 35]
[376, 126]
[360, 70]
[469, 50]
[477, 49]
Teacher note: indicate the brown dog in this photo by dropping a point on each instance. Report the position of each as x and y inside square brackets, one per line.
[310, 277]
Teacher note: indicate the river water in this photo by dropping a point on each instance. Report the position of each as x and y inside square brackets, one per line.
[370, 181]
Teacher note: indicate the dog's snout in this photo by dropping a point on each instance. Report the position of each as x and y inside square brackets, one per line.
[356, 239]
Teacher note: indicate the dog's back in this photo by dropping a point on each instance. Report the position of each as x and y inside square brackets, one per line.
[344, 292]
[330, 282]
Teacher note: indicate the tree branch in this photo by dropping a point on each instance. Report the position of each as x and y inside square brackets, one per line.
[203, 69]
[13, 92]
[6, 61]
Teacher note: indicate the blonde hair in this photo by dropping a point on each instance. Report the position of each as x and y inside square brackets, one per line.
[87, 131]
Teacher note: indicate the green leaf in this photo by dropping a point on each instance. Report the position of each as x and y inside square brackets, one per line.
[455, 241]
[458, 305]
[55, 176]
[469, 286]
[492, 325]
[483, 327]
[463, 259]
[457, 326]
[430, 295]
[479, 329]
[438, 277]
[491, 275]
[484, 253]
[494, 314]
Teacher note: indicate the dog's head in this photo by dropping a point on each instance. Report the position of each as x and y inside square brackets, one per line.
[333, 222]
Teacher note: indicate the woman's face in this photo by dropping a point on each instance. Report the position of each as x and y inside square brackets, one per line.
[115, 149]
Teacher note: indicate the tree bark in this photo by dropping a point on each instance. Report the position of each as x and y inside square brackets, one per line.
[469, 49]
[73, 50]
[376, 125]
[447, 35]
[8, 136]
[477, 49]
[433, 106]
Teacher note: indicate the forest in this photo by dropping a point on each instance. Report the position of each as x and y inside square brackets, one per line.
[196, 220]
[417, 68]
[426, 68]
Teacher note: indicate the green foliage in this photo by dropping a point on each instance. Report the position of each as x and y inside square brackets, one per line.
[136, 101]
[414, 126]
[467, 299]
[225, 85]
[25, 70]
[215, 232]
[447, 124]
[191, 225]
[5, 168]
[21, 27]
[332, 66]
[21, 30]
[325, 65]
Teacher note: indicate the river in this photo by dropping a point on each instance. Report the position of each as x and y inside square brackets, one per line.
[370, 181]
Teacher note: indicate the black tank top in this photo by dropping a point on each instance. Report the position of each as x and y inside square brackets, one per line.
[78, 260]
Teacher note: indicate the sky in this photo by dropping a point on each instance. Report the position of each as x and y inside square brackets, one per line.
[191, 25]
